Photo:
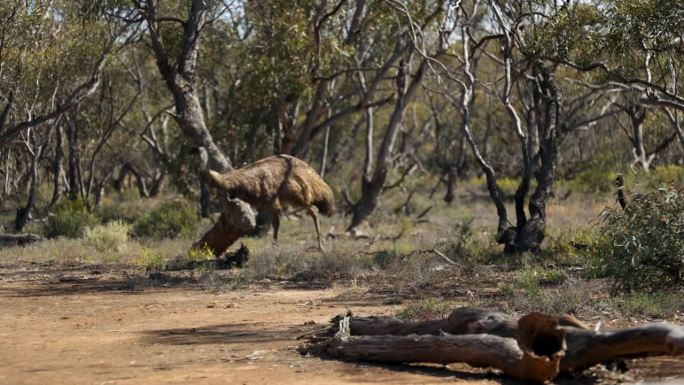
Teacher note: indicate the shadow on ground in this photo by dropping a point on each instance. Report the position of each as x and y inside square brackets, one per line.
[241, 333]
[51, 280]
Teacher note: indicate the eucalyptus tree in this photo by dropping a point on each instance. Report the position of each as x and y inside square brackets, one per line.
[51, 57]
[636, 47]
[502, 53]
[409, 60]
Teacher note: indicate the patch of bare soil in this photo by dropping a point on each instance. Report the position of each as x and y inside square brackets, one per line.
[88, 326]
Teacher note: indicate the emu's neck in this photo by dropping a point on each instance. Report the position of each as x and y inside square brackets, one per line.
[204, 161]
[621, 193]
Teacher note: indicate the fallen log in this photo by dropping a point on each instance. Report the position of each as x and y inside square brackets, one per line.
[587, 347]
[464, 320]
[534, 355]
[19, 239]
[489, 338]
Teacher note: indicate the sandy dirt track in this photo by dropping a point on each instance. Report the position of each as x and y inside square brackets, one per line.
[75, 327]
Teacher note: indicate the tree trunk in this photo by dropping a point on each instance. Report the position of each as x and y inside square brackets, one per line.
[530, 235]
[57, 168]
[371, 189]
[450, 186]
[159, 182]
[125, 170]
[503, 233]
[6, 186]
[23, 213]
[236, 220]
[74, 160]
[180, 78]
[204, 200]
[637, 115]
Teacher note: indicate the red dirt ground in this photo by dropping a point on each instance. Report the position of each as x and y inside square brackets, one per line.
[75, 326]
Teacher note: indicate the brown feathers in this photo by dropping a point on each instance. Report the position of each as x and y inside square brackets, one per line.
[277, 182]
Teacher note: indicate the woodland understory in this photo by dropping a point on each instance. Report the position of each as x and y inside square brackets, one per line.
[522, 155]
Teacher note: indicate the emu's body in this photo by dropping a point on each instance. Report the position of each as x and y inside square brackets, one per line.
[275, 183]
[622, 196]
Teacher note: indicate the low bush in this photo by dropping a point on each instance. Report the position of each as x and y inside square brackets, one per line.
[169, 220]
[151, 261]
[127, 212]
[642, 246]
[593, 181]
[666, 175]
[69, 219]
[661, 305]
[111, 237]
[199, 254]
[424, 310]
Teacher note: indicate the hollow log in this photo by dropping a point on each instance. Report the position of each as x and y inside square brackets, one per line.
[584, 347]
[464, 320]
[587, 347]
[534, 355]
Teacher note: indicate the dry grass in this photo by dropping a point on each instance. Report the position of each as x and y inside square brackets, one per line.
[396, 262]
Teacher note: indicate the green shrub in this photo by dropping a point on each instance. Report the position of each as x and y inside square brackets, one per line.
[596, 176]
[666, 175]
[202, 253]
[528, 280]
[593, 181]
[111, 237]
[169, 220]
[427, 309]
[127, 212]
[69, 219]
[642, 247]
[151, 261]
[663, 305]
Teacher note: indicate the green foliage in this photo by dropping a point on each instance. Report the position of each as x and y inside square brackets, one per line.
[593, 181]
[199, 254]
[464, 247]
[508, 185]
[125, 212]
[111, 237]
[642, 247]
[597, 175]
[661, 305]
[151, 260]
[424, 310]
[570, 246]
[69, 219]
[528, 280]
[169, 220]
[531, 279]
[665, 175]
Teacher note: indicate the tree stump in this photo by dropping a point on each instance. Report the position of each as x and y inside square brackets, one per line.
[236, 220]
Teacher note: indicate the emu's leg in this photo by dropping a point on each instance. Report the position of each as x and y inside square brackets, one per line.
[275, 222]
[313, 211]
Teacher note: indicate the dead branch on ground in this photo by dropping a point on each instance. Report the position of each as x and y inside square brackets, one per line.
[536, 347]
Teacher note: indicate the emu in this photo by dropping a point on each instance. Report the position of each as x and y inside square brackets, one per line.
[622, 195]
[274, 183]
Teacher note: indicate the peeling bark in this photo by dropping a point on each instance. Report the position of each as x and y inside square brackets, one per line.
[536, 347]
